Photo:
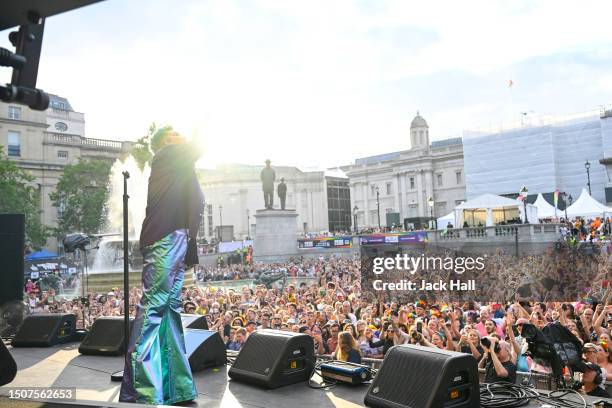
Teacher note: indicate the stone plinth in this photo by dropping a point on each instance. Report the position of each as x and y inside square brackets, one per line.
[275, 235]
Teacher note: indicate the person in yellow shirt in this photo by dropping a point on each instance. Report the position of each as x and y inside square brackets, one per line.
[202, 308]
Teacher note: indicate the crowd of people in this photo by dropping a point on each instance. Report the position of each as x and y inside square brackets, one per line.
[326, 298]
[344, 324]
[587, 230]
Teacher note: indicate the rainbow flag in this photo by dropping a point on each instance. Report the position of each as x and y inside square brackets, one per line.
[556, 197]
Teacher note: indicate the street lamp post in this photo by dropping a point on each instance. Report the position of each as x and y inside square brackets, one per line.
[355, 218]
[248, 224]
[220, 220]
[378, 205]
[430, 203]
[564, 195]
[587, 166]
[523, 193]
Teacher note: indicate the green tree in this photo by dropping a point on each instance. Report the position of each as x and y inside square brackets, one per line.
[80, 196]
[17, 195]
[142, 148]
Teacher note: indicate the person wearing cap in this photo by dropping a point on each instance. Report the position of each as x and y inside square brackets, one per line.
[589, 353]
[268, 176]
[282, 192]
[156, 368]
[592, 381]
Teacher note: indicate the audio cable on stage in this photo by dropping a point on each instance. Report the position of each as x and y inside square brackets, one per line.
[508, 395]
[325, 385]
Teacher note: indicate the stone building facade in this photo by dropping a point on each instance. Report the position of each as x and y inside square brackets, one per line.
[402, 183]
[43, 143]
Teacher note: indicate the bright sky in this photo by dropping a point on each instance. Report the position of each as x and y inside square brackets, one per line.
[320, 83]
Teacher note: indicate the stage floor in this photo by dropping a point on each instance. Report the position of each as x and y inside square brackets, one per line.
[63, 366]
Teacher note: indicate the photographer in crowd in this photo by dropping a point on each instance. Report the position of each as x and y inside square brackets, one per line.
[497, 361]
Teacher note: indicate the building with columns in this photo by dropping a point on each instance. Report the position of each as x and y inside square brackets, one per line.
[396, 187]
[44, 142]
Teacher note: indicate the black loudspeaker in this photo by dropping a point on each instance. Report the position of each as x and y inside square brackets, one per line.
[46, 329]
[12, 242]
[106, 337]
[194, 321]
[205, 348]
[8, 367]
[273, 358]
[425, 377]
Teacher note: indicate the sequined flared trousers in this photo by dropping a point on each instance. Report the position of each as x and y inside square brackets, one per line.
[156, 367]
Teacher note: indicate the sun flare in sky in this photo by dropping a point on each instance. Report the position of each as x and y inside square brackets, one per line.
[318, 84]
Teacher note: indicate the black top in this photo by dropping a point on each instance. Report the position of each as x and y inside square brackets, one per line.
[387, 344]
[354, 357]
[492, 377]
[174, 199]
[598, 392]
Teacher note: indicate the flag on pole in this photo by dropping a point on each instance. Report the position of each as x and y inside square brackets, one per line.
[556, 200]
[510, 83]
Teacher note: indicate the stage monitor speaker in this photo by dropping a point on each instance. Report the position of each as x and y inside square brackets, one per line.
[44, 330]
[425, 377]
[194, 321]
[8, 367]
[106, 337]
[205, 348]
[273, 358]
[12, 242]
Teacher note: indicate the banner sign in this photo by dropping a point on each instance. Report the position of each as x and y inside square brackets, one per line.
[397, 238]
[36, 269]
[326, 242]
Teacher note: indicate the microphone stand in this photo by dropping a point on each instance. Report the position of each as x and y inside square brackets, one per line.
[118, 376]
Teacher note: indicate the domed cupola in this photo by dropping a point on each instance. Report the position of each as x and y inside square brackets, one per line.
[419, 132]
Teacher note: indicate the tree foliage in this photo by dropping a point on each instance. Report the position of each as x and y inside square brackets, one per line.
[142, 148]
[80, 196]
[18, 196]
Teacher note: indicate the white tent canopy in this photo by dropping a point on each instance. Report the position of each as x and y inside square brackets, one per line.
[545, 210]
[447, 219]
[586, 206]
[491, 209]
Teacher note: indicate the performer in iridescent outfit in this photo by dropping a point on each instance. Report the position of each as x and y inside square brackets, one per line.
[156, 368]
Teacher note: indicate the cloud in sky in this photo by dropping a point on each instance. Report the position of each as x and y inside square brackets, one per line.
[320, 83]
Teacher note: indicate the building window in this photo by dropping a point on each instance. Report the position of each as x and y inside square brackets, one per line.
[373, 190]
[389, 190]
[14, 144]
[14, 112]
[412, 183]
[58, 105]
[439, 178]
[458, 175]
[61, 126]
[62, 154]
